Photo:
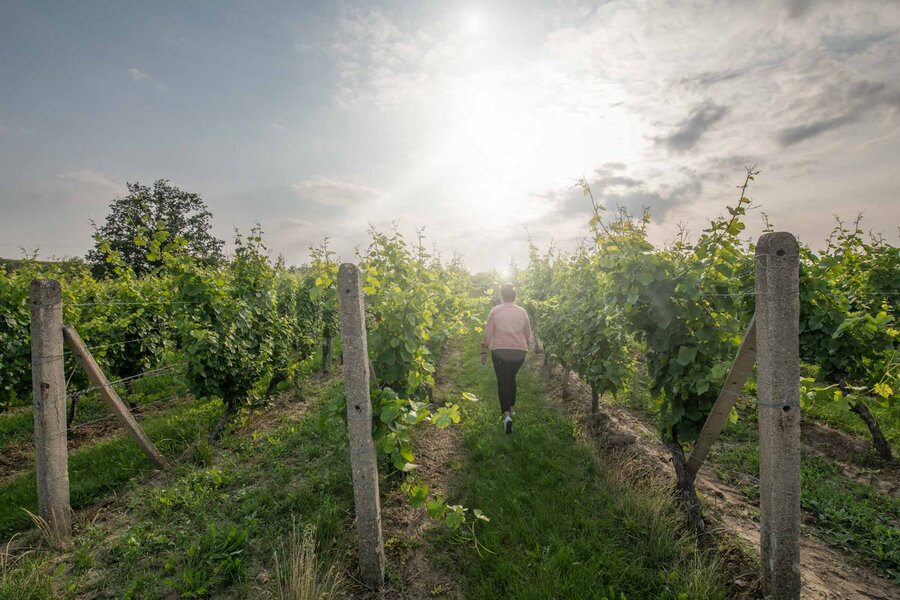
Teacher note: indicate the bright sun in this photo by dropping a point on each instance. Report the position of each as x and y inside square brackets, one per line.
[515, 133]
[472, 22]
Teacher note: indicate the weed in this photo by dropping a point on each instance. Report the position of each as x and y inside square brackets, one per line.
[23, 577]
[214, 561]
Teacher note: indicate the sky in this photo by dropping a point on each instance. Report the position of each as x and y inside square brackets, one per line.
[472, 120]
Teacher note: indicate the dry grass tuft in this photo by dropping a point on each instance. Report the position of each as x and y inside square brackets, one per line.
[46, 530]
[301, 574]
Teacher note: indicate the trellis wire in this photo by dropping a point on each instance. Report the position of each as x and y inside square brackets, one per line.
[732, 472]
[124, 379]
[110, 416]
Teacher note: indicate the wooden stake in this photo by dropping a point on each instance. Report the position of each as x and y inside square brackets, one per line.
[718, 416]
[109, 395]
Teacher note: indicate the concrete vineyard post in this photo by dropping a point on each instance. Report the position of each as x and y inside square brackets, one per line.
[359, 420]
[49, 400]
[778, 374]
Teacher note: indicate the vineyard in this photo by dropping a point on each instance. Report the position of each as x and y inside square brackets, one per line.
[620, 309]
[232, 369]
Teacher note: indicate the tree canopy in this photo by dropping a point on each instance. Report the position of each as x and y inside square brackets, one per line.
[164, 207]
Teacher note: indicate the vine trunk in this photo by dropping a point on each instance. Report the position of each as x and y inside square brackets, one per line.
[687, 494]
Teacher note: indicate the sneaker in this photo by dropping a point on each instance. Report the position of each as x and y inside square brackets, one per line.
[507, 425]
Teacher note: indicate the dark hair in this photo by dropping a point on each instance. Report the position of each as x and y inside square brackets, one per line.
[507, 292]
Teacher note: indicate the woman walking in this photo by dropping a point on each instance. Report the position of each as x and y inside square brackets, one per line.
[506, 337]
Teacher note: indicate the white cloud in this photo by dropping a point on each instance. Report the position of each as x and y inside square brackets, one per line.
[91, 180]
[506, 116]
[144, 79]
[338, 193]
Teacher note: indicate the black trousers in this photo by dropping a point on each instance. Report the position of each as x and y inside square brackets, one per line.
[506, 364]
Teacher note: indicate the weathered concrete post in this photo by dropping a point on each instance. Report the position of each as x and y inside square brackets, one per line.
[49, 401]
[359, 420]
[778, 374]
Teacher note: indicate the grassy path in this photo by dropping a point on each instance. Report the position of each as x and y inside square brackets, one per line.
[563, 523]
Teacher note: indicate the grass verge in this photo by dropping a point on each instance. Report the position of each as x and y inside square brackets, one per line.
[96, 469]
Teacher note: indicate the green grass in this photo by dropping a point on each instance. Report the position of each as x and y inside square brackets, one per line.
[843, 512]
[830, 413]
[96, 469]
[17, 426]
[564, 525]
[212, 526]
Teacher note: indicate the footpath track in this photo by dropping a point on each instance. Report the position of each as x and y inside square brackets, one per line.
[564, 522]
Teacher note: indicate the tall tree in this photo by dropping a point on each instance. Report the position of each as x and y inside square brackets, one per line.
[163, 207]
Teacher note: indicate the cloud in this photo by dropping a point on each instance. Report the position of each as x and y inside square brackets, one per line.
[853, 43]
[689, 132]
[93, 180]
[848, 104]
[144, 79]
[797, 8]
[337, 193]
[701, 81]
[379, 57]
[795, 135]
[660, 202]
[614, 189]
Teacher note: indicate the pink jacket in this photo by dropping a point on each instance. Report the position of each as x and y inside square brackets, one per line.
[508, 328]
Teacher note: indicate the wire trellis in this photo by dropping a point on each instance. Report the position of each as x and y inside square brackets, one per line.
[143, 375]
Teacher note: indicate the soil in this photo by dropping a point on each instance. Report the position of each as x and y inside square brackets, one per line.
[827, 573]
[846, 450]
[407, 530]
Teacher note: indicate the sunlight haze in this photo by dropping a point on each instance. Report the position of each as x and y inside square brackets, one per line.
[473, 120]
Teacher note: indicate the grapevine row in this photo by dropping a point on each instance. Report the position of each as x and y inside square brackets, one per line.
[620, 307]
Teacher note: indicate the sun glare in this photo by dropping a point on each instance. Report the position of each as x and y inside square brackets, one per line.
[472, 22]
[512, 137]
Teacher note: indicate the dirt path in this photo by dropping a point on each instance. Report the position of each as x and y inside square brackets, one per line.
[406, 529]
[827, 574]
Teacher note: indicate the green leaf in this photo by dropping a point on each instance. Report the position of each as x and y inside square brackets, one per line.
[686, 355]
[436, 508]
[418, 495]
